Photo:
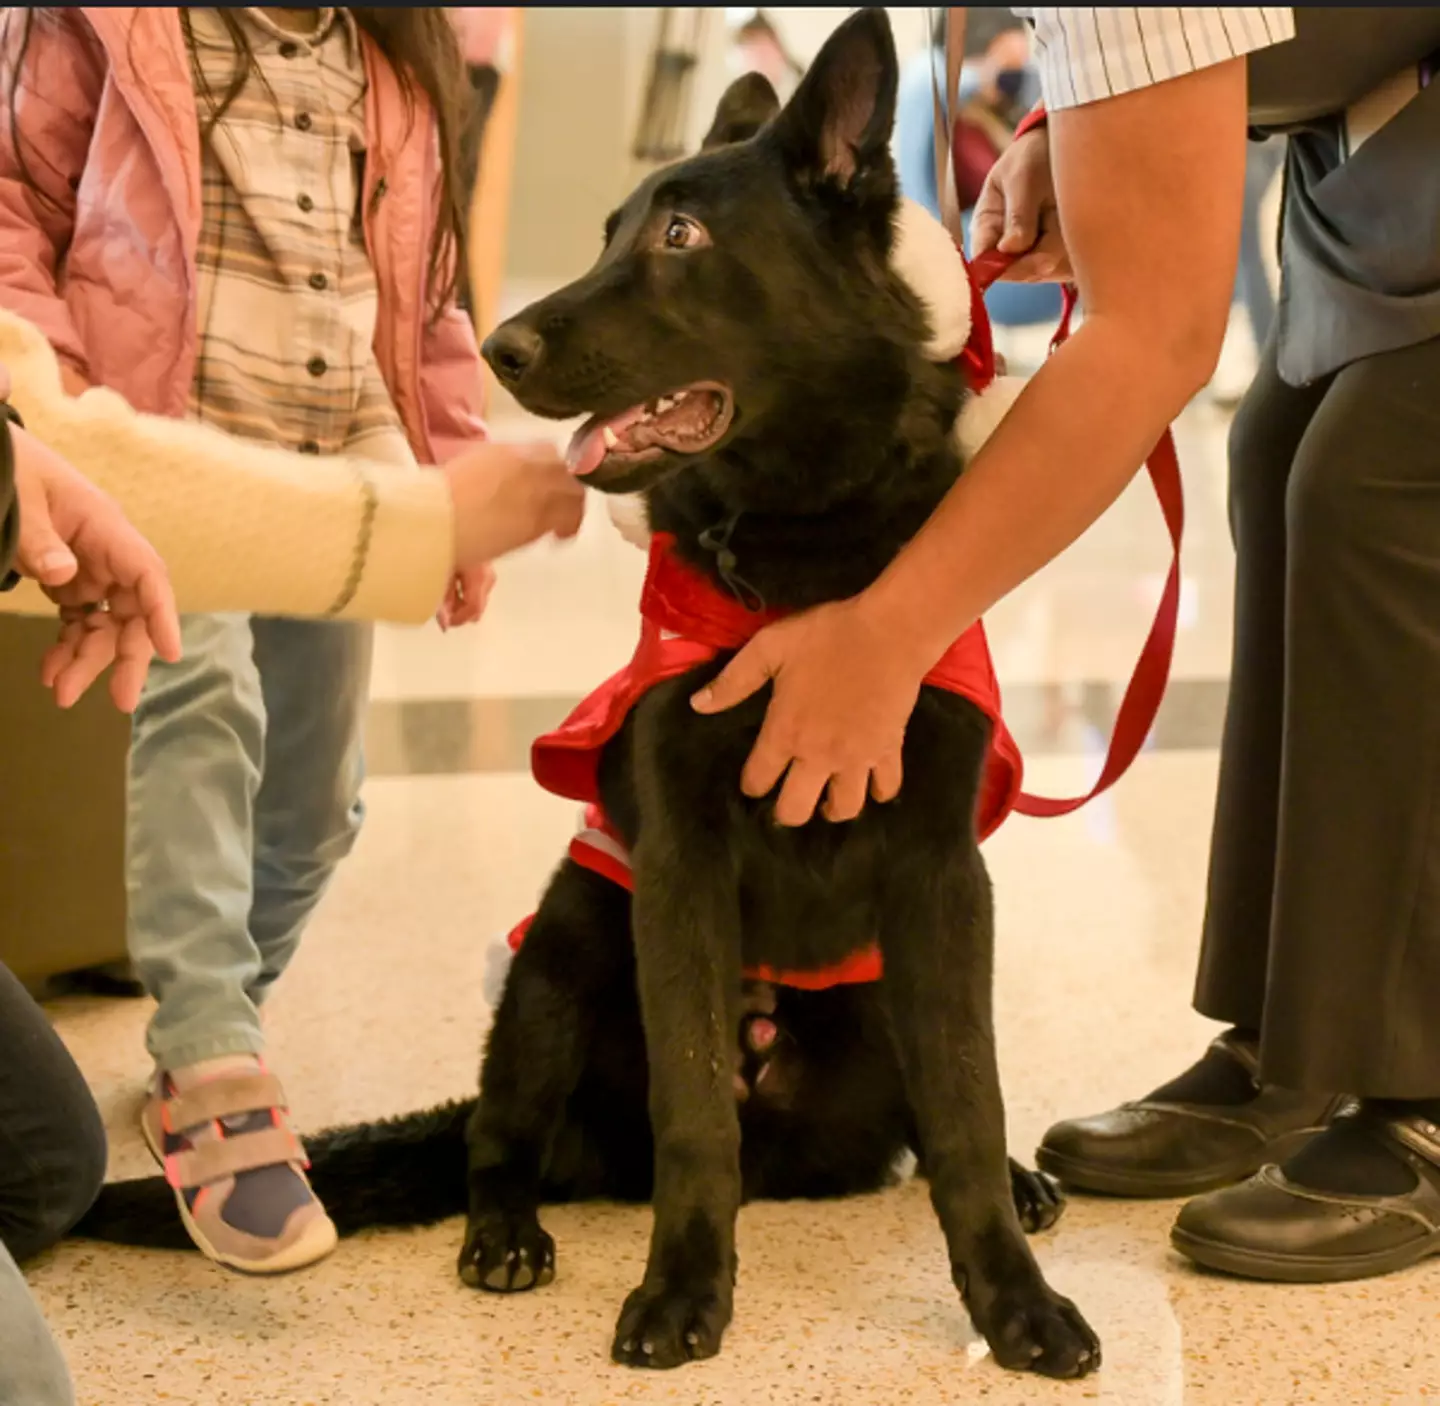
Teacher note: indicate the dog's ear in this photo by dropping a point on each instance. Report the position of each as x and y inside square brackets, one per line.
[837, 125]
[746, 106]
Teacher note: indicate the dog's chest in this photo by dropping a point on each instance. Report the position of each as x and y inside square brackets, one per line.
[808, 898]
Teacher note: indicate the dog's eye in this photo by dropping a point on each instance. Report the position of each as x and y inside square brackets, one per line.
[681, 233]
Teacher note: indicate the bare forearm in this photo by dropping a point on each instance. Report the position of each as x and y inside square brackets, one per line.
[1148, 187]
[1075, 437]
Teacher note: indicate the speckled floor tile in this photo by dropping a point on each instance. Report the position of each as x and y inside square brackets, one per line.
[838, 1304]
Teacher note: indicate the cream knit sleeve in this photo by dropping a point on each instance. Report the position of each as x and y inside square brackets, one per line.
[241, 526]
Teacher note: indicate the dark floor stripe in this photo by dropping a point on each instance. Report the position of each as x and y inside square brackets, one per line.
[469, 736]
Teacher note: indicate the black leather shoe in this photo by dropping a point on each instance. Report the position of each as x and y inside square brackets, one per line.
[1270, 1228]
[1159, 1149]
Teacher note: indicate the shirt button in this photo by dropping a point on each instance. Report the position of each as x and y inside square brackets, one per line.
[319, 282]
[303, 122]
[316, 366]
[288, 50]
[305, 203]
[308, 446]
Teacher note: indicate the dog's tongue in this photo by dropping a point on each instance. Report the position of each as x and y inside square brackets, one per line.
[588, 447]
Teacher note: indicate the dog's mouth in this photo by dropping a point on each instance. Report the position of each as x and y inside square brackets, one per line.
[684, 422]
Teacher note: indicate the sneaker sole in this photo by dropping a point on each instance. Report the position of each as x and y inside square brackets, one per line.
[318, 1241]
[1093, 1179]
[1301, 1269]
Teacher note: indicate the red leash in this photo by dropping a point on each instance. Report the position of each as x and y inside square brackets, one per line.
[1146, 690]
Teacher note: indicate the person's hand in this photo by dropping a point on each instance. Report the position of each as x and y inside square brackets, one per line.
[1017, 213]
[116, 605]
[467, 596]
[506, 496]
[845, 686]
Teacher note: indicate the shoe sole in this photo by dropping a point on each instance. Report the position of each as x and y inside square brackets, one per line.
[1095, 1180]
[1301, 1269]
[313, 1246]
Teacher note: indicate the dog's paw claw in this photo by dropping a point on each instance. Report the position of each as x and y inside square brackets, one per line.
[1043, 1333]
[1039, 1202]
[662, 1328]
[507, 1256]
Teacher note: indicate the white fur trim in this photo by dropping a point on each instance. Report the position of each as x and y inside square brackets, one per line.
[498, 958]
[925, 256]
[982, 413]
[628, 515]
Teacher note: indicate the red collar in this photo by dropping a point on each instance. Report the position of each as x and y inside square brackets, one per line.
[684, 601]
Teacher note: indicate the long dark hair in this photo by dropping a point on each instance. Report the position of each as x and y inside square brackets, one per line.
[421, 47]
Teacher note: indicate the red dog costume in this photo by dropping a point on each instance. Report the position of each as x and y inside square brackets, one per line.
[686, 621]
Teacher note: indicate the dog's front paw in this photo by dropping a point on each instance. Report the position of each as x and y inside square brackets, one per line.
[1038, 1330]
[1039, 1202]
[506, 1254]
[665, 1327]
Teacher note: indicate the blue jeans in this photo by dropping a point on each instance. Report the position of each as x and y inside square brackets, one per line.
[913, 143]
[244, 796]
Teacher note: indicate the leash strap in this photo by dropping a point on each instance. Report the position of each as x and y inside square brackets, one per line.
[954, 60]
[1146, 690]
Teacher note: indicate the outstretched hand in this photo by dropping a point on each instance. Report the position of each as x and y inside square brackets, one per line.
[505, 496]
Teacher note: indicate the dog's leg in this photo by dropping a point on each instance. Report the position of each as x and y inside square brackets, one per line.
[577, 947]
[937, 938]
[687, 949]
[1039, 1199]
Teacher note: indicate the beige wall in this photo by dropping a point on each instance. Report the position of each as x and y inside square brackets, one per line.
[583, 72]
[584, 76]
[804, 28]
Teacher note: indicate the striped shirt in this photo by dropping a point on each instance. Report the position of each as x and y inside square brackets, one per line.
[1088, 53]
[287, 294]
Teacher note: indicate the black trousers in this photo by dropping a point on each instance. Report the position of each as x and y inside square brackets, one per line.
[1322, 926]
[52, 1142]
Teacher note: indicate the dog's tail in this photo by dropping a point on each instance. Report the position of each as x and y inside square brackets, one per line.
[406, 1171]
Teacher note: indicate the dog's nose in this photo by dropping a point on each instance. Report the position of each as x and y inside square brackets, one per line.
[512, 349]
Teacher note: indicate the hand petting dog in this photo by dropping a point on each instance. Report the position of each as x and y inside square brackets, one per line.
[845, 686]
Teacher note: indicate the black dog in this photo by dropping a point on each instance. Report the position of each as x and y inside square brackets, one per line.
[753, 365]
[752, 282]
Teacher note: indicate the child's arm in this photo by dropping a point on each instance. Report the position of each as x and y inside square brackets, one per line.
[52, 91]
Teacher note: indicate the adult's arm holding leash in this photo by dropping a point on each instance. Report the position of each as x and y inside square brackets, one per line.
[1149, 185]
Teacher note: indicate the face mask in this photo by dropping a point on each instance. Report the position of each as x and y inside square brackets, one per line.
[1011, 82]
